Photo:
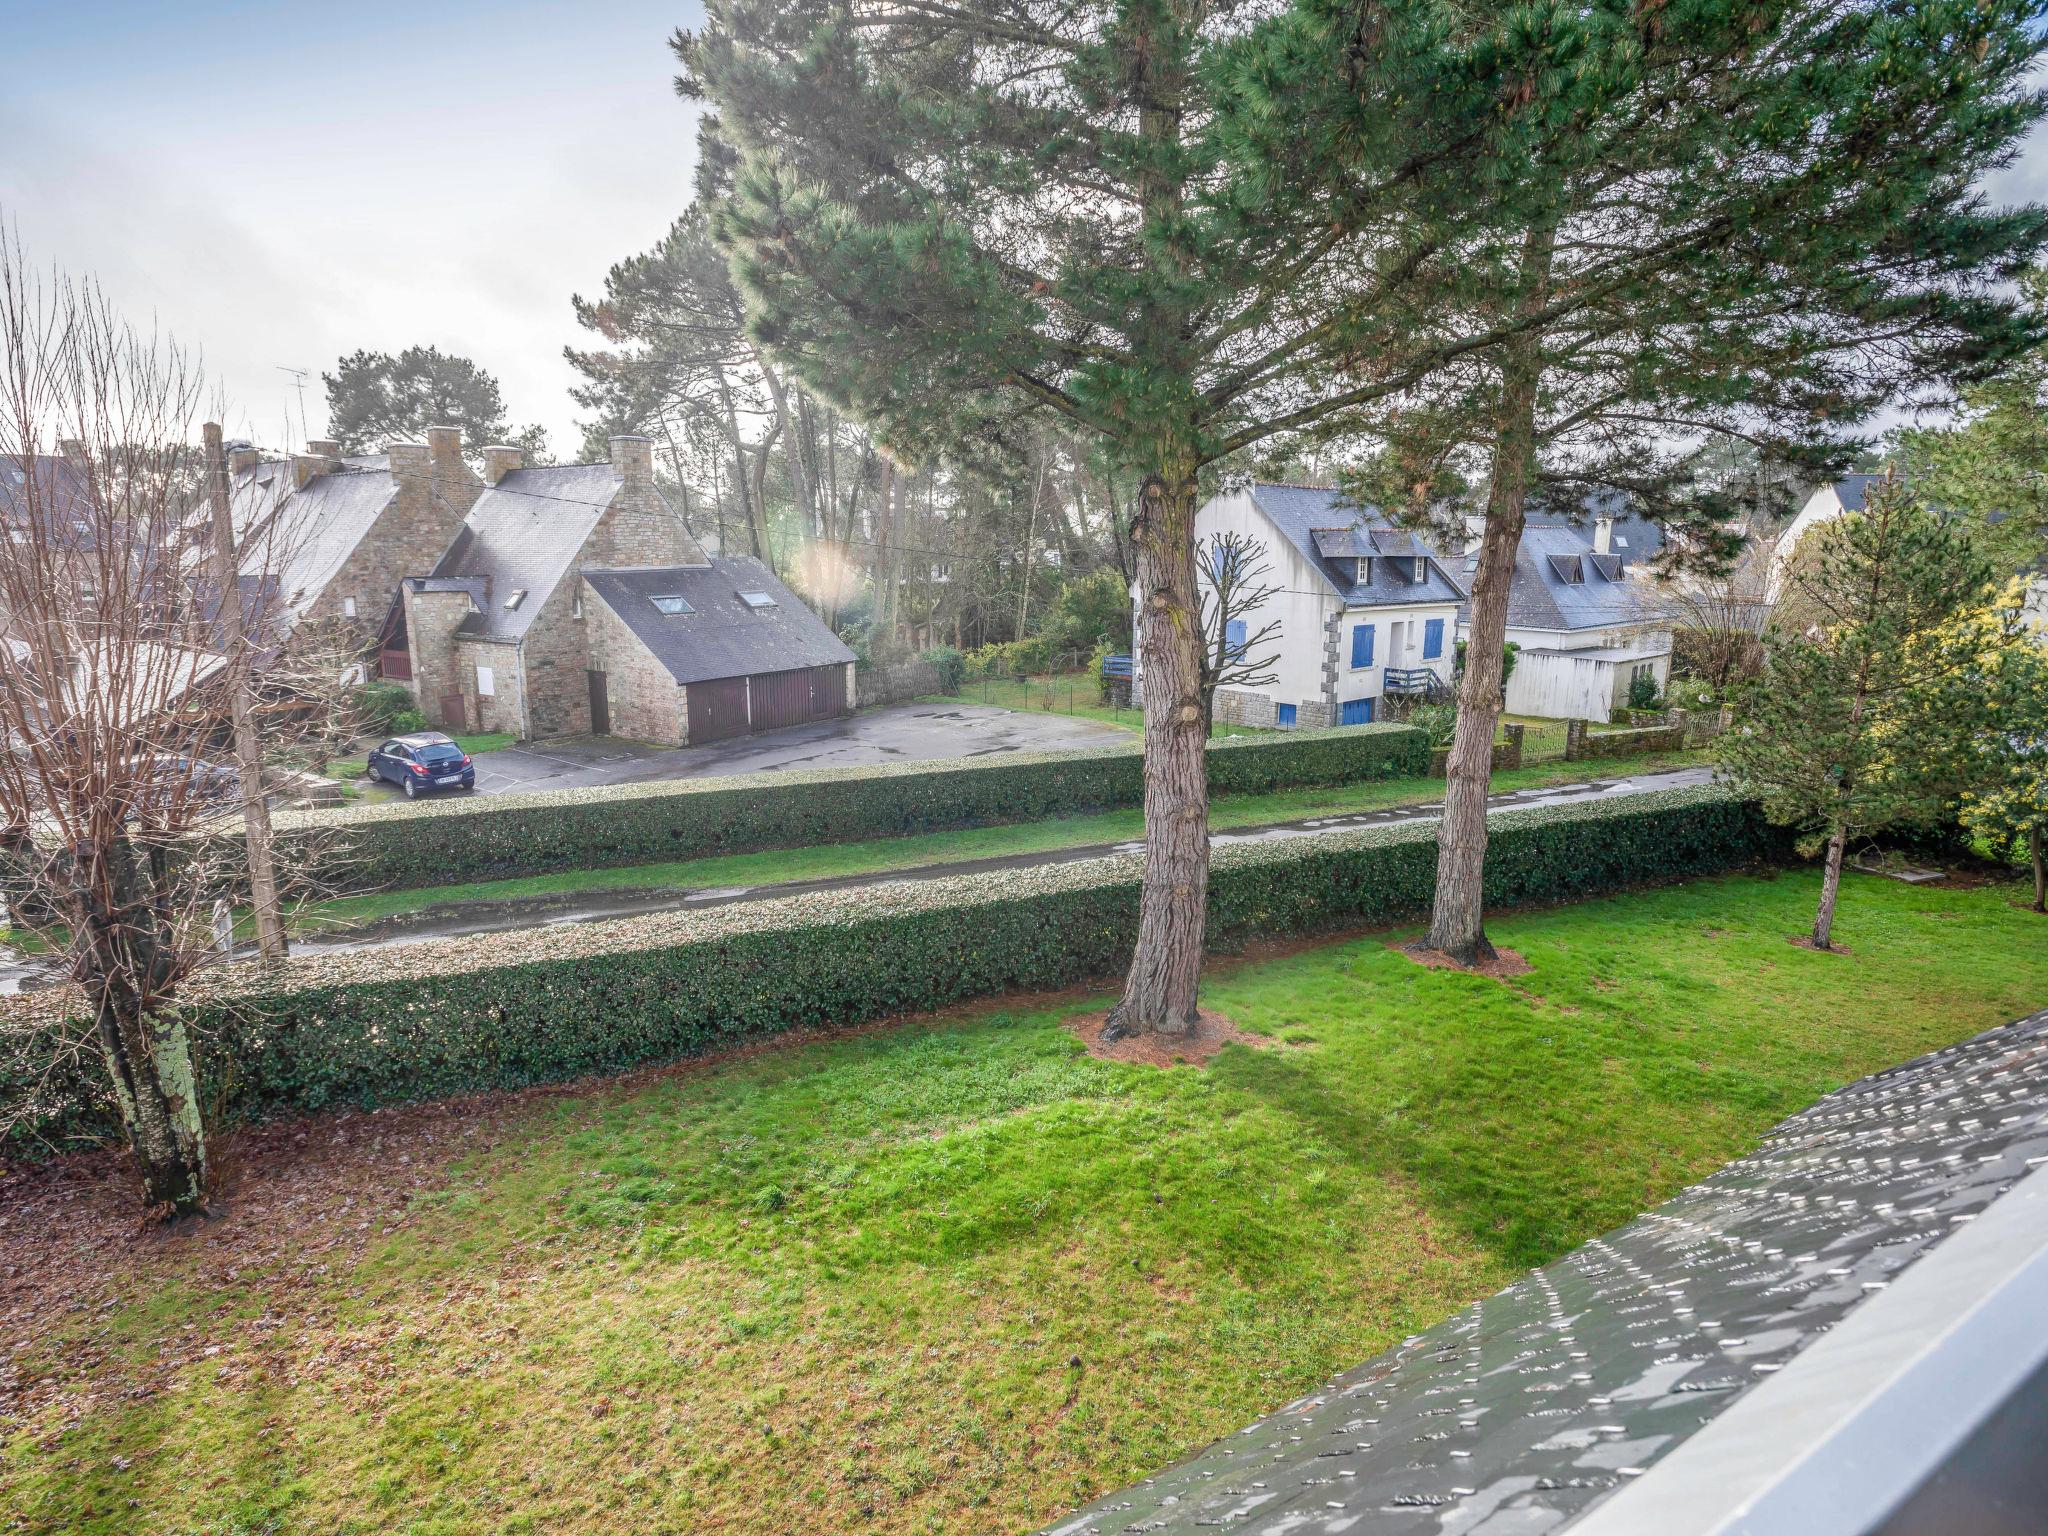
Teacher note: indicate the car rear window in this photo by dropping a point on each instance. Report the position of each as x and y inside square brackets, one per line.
[441, 753]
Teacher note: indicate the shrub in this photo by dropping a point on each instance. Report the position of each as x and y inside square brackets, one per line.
[378, 705]
[1642, 691]
[1436, 721]
[948, 663]
[1090, 609]
[452, 1016]
[408, 720]
[446, 841]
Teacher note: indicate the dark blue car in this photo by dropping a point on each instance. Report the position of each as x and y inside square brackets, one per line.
[422, 762]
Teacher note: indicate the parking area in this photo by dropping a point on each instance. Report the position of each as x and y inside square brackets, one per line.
[906, 733]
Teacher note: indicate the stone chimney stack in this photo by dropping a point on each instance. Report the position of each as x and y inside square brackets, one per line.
[310, 463]
[74, 450]
[243, 456]
[500, 460]
[324, 447]
[444, 450]
[1603, 535]
[633, 458]
[410, 463]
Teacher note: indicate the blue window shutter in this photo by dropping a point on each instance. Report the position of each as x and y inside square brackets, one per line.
[1233, 638]
[1361, 645]
[1287, 716]
[1432, 639]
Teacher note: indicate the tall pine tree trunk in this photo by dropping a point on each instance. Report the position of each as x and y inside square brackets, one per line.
[1830, 886]
[1457, 923]
[1160, 991]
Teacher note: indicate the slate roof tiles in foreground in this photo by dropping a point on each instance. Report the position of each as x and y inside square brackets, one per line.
[1524, 1412]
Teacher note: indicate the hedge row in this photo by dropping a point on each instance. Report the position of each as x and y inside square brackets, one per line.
[448, 841]
[451, 1016]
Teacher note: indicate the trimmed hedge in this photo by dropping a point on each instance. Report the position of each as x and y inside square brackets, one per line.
[453, 1016]
[449, 841]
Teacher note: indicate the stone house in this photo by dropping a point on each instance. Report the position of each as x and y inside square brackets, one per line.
[1364, 609]
[572, 600]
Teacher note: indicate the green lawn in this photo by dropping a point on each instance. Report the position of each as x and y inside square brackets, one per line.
[955, 1276]
[883, 854]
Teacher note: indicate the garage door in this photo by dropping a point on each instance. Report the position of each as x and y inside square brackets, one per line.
[717, 708]
[781, 698]
[828, 692]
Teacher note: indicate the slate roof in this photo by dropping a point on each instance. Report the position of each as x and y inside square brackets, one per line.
[526, 532]
[1303, 514]
[307, 534]
[721, 636]
[59, 489]
[1541, 597]
[1850, 490]
[1524, 1413]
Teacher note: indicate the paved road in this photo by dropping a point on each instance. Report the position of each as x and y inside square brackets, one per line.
[460, 918]
[905, 733]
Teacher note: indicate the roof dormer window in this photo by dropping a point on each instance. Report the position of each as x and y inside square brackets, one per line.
[515, 599]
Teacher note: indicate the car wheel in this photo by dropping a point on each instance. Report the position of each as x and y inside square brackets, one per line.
[412, 789]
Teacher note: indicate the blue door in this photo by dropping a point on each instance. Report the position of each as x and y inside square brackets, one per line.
[1355, 712]
[1285, 717]
[1432, 639]
[1361, 645]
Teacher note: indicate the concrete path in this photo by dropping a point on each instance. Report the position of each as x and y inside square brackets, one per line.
[458, 918]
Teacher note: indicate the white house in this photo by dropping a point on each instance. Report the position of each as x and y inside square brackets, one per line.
[1586, 627]
[1824, 505]
[1364, 609]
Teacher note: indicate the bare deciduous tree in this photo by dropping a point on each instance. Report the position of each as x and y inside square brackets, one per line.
[1231, 573]
[117, 675]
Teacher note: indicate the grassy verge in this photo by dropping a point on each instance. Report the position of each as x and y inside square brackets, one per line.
[956, 1276]
[884, 854]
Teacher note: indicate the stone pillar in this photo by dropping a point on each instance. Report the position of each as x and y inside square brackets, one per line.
[1511, 757]
[1574, 740]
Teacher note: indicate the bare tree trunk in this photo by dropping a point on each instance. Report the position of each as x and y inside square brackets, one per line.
[1830, 886]
[1165, 976]
[1457, 924]
[147, 1050]
[270, 939]
[2034, 840]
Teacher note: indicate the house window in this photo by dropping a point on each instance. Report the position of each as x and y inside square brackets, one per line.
[576, 606]
[1361, 645]
[348, 607]
[1285, 716]
[1641, 670]
[672, 604]
[1432, 639]
[1355, 712]
[486, 683]
[515, 599]
[1233, 640]
[757, 599]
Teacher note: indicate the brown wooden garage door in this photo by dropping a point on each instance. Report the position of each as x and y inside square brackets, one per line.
[828, 692]
[718, 709]
[781, 698]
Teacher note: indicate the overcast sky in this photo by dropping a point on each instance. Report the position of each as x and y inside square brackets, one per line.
[284, 183]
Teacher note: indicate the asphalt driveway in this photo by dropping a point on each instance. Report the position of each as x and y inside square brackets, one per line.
[904, 733]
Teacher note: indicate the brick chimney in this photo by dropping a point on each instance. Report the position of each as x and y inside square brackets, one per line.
[324, 447]
[242, 456]
[75, 450]
[633, 458]
[1603, 535]
[444, 449]
[500, 460]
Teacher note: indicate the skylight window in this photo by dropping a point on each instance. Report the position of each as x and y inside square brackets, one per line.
[515, 599]
[757, 599]
[671, 603]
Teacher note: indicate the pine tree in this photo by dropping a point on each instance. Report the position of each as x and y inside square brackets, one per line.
[1865, 715]
[373, 397]
[1746, 220]
[943, 215]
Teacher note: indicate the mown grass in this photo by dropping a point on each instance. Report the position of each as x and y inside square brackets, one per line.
[883, 854]
[956, 1276]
